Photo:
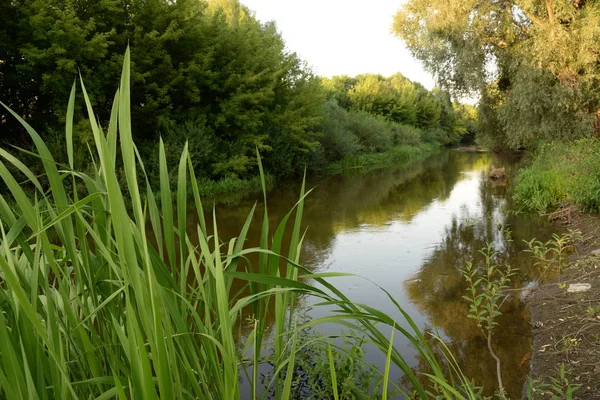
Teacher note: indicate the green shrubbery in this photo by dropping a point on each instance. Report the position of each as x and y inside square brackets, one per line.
[358, 139]
[562, 173]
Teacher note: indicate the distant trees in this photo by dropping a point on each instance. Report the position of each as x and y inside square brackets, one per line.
[533, 64]
[216, 68]
[400, 101]
[206, 72]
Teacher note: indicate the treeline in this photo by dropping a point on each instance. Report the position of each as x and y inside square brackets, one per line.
[209, 73]
[372, 113]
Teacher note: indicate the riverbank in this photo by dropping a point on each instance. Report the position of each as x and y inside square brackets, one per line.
[566, 324]
[561, 173]
[231, 190]
[401, 155]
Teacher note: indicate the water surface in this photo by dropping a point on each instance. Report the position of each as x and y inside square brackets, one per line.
[410, 230]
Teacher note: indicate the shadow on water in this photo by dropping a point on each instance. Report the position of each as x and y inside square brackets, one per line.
[410, 230]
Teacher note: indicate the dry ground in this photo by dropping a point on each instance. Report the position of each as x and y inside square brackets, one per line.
[566, 326]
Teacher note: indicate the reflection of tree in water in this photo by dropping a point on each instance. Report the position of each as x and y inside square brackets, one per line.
[377, 198]
[439, 286]
[438, 292]
[344, 203]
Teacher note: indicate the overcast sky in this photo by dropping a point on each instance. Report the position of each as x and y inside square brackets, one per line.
[343, 37]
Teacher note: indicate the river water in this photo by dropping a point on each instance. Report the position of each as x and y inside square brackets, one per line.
[410, 230]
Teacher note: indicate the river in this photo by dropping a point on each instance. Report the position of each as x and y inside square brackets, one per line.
[410, 230]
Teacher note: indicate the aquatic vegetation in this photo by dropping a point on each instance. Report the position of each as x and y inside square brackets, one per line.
[561, 173]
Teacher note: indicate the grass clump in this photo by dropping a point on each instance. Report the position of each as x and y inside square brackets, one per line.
[398, 155]
[562, 173]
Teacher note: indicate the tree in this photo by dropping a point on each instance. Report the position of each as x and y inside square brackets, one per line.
[43, 46]
[198, 68]
[394, 98]
[338, 87]
[494, 50]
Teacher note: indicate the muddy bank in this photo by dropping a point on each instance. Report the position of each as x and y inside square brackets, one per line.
[566, 325]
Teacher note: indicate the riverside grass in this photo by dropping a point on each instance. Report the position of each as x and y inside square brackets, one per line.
[100, 311]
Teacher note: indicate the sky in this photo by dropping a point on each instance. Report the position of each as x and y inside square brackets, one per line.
[343, 37]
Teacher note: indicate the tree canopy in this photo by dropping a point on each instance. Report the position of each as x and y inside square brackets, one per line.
[206, 72]
[532, 63]
[401, 101]
[209, 63]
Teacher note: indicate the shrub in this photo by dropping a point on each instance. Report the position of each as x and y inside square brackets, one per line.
[562, 172]
[202, 144]
[434, 135]
[338, 141]
[540, 190]
[373, 132]
[406, 134]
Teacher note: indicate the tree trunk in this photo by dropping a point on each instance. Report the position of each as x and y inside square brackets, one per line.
[498, 365]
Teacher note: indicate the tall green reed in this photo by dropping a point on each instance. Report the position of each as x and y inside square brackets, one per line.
[103, 293]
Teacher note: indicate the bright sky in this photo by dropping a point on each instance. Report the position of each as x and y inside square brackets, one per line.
[343, 37]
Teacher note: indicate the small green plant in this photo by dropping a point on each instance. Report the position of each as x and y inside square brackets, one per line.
[553, 254]
[559, 387]
[593, 311]
[568, 343]
[485, 296]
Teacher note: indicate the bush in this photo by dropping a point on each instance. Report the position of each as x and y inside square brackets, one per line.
[435, 135]
[406, 134]
[562, 172]
[202, 144]
[540, 190]
[373, 133]
[338, 141]
[586, 180]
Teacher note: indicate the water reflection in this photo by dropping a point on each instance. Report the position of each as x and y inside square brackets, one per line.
[411, 230]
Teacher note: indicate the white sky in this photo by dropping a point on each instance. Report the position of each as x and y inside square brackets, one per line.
[343, 37]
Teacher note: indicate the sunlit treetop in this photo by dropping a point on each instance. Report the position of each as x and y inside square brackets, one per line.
[497, 48]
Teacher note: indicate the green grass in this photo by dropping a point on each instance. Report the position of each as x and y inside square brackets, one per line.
[399, 155]
[102, 296]
[231, 190]
[562, 173]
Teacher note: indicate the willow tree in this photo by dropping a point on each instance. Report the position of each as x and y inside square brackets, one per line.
[533, 64]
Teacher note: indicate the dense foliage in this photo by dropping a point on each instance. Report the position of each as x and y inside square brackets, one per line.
[206, 72]
[533, 64]
[562, 174]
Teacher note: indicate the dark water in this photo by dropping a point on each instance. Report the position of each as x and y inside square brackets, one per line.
[411, 230]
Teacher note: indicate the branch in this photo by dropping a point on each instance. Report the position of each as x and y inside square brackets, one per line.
[550, 9]
[498, 363]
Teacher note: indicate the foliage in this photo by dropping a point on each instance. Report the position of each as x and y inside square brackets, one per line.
[215, 67]
[486, 295]
[540, 190]
[561, 173]
[553, 254]
[532, 64]
[206, 72]
[399, 101]
[317, 355]
[558, 388]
